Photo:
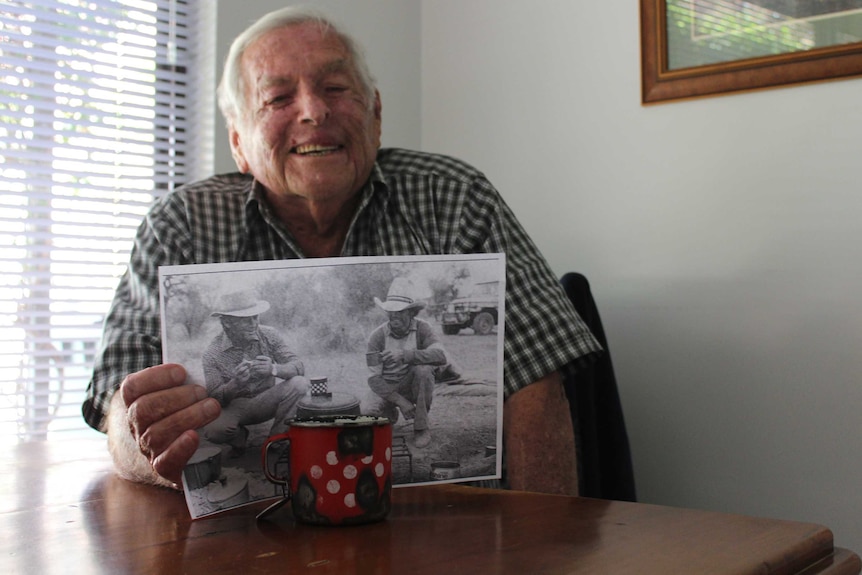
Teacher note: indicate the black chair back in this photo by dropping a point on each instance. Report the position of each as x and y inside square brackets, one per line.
[604, 456]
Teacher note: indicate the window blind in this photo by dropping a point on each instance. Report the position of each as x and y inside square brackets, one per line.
[98, 118]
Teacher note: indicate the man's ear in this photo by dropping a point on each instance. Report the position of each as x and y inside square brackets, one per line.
[236, 149]
[378, 105]
[378, 116]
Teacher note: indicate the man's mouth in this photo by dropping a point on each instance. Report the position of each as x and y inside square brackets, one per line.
[314, 150]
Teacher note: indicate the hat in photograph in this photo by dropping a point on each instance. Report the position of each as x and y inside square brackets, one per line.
[400, 297]
[240, 304]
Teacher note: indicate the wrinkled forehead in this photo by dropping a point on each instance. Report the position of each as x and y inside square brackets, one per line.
[297, 46]
[275, 78]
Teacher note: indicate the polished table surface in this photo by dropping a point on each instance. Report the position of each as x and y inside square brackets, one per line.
[63, 511]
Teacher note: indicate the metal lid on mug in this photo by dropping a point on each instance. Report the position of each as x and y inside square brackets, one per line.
[339, 421]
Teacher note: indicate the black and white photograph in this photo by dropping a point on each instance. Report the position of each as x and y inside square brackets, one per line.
[417, 340]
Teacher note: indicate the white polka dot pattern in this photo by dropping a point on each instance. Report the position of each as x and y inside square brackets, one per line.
[349, 476]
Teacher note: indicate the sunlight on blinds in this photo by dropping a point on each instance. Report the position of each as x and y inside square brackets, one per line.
[94, 100]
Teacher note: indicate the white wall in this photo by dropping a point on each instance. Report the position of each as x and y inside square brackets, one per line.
[389, 31]
[720, 237]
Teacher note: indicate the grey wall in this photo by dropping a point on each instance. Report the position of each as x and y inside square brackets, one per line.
[720, 235]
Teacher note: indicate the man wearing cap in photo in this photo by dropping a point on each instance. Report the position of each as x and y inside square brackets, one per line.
[251, 372]
[402, 375]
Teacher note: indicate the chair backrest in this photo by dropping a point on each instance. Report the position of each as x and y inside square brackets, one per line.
[604, 456]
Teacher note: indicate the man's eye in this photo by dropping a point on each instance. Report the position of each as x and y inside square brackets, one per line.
[278, 100]
[336, 89]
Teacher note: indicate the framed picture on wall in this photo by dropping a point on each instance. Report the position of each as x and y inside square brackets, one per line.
[692, 48]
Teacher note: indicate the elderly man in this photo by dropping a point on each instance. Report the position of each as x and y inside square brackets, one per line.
[251, 373]
[304, 121]
[403, 353]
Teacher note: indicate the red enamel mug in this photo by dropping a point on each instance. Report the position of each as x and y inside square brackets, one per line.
[336, 469]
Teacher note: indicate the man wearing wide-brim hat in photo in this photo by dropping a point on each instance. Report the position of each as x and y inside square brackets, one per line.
[403, 355]
[249, 369]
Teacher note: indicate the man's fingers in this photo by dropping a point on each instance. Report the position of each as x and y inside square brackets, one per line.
[170, 462]
[156, 378]
[163, 415]
[408, 411]
[158, 405]
[157, 434]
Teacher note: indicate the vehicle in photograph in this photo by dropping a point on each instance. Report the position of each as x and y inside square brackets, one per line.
[478, 311]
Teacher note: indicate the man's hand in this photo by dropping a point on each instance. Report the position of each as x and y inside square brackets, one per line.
[261, 367]
[392, 357]
[162, 415]
[242, 372]
[408, 410]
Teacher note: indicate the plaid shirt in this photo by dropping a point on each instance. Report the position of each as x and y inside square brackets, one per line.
[222, 357]
[413, 204]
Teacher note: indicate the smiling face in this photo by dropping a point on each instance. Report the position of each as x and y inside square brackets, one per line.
[309, 128]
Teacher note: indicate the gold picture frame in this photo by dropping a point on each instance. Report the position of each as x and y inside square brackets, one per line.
[661, 83]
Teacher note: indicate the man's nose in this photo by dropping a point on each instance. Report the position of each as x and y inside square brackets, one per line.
[313, 108]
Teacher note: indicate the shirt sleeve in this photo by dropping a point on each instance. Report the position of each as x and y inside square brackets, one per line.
[429, 351]
[216, 373]
[281, 354]
[376, 344]
[543, 331]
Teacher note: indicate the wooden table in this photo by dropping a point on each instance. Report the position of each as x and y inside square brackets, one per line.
[63, 511]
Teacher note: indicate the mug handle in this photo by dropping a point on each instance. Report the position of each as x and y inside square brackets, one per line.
[283, 481]
[265, 460]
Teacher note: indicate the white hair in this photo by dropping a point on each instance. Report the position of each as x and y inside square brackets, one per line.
[231, 88]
